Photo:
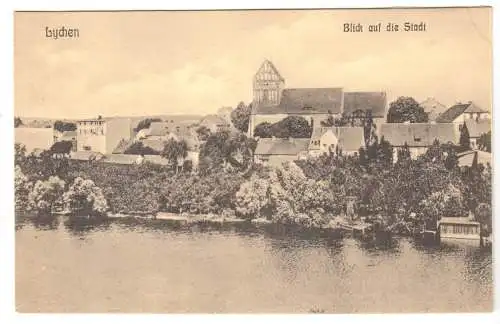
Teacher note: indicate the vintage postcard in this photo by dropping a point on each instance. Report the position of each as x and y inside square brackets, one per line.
[260, 161]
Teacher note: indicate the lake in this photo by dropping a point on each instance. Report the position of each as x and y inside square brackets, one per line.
[127, 265]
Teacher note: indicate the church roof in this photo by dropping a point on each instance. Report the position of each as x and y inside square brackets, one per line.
[349, 138]
[304, 101]
[418, 134]
[374, 101]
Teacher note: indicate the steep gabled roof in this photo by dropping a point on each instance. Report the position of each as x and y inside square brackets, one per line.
[271, 66]
[281, 146]
[374, 101]
[454, 111]
[418, 135]
[476, 128]
[349, 138]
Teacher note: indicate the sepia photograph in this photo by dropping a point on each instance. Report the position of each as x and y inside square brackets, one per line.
[308, 161]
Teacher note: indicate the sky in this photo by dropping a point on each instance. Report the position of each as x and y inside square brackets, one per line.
[155, 63]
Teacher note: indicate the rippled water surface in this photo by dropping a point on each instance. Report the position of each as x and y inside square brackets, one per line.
[65, 265]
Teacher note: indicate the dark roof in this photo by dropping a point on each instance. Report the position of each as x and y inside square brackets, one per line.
[312, 100]
[374, 101]
[305, 101]
[476, 128]
[418, 135]
[454, 111]
[281, 146]
[349, 138]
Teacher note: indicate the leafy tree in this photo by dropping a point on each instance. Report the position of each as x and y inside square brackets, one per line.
[329, 121]
[22, 188]
[263, 130]
[484, 216]
[404, 154]
[464, 138]
[61, 149]
[138, 148]
[83, 196]
[451, 160]
[226, 150]
[19, 154]
[45, 194]
[203, 133]
[62, 126]
[240, 116]
[369, 129]
[406, 109]
[145, 123]
[17, 122]
[252, 197]
[175, 152]
[484, 142]
[292, 126]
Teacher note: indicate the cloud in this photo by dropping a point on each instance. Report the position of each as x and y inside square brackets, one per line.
[140, 63]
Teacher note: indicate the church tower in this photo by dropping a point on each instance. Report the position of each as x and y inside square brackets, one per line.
[267, 85]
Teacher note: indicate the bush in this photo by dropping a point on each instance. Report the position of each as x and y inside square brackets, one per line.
[83, 196]
[45, 194]
[22, 189]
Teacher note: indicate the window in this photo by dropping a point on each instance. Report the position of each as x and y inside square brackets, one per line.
[417, 139]
[87, 148]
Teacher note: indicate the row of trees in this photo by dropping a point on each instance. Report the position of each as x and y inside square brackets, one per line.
[42, 196]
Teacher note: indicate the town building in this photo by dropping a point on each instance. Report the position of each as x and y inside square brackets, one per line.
[476, 129]
[214, 123]
[461, 112]
[433, 108]
[418, 136]
[103, 135]
[273, 102]
[275, 151]
[161, 132]
[326, 140]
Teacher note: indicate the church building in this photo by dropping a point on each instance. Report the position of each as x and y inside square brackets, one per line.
[273, 102]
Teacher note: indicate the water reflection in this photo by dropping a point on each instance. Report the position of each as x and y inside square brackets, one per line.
[169, 266]
[82, 226]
